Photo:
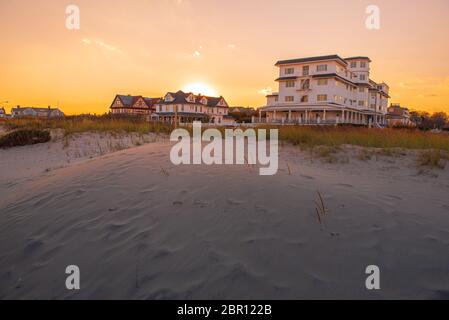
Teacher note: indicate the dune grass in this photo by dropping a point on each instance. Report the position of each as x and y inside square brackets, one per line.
[364, 137]
[306, 136]
[74, 125]
[433, 159]
[24, 137]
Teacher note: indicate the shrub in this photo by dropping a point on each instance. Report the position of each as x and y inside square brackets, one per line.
[433, 158]
[23, 138]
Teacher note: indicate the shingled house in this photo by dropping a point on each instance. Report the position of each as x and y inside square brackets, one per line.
[49, 112]
[188, 107]
[133, 105]
[398, 116]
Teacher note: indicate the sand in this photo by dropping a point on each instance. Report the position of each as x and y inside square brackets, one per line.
[140, 228]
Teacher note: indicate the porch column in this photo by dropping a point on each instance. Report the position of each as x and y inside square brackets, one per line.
[343, 116]
[274, 116]
[307, 116]
[324, 115]
[260, 116]
[289, 115]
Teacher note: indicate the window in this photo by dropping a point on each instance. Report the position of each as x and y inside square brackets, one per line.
[322, 97]
[362, 90]
[290, 84]
[321, 67]
[361, 103]
[363, 77]
[322, 82]
[289, 99]
[353, 64]
[363, 64]
[305, 70]
[305, 99]
[276, 99]
[289, 70]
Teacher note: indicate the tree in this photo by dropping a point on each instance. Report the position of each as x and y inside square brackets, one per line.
[439, 120]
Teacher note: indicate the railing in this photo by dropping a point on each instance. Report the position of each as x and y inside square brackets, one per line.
[309, 122]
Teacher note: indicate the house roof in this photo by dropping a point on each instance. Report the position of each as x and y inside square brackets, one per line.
[35, 109]
[181, 98]
[358, 58]
[286, 78]
[128, 100]
[312, 59]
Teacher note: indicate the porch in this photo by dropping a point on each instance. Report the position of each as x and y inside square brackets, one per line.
[320, 117]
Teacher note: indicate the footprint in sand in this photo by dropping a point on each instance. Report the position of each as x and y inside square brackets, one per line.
[307, 177]
[235, 202]
[391, 196]
[178, 203]
[33, 245]
[260, 208]
[201, 203]
[347, 185]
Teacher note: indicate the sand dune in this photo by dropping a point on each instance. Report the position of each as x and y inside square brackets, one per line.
[140, 228]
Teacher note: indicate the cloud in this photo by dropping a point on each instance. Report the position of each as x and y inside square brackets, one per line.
[197, 54]
[102, 45]
[265, 91]
[232, 46]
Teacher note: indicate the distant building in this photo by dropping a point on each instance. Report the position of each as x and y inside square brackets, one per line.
[188, 107]
[398, 116]
[243, 114]
[2, 113]
[327, 90]
[241, 110]
[49, 112]
[133, 105]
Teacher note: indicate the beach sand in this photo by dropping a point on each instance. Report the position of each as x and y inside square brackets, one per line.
[139, 227]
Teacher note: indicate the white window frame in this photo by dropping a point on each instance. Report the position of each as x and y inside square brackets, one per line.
[321, 68]
[321, 97]
[289, 70]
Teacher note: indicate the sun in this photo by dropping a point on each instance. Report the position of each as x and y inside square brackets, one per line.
[200, 88]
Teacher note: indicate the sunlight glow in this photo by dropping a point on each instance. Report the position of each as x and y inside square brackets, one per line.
[201, 88]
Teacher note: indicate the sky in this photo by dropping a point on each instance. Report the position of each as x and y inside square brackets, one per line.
[150, 47]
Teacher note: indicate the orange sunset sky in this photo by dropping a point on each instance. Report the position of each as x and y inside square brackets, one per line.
[149, 47]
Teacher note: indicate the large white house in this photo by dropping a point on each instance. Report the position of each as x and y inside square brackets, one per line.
[327, 90]
[187, 107]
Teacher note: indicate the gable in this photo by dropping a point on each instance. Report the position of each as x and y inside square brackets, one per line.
[118, 102]
[140, 103]
[168, 98]
[222, 103]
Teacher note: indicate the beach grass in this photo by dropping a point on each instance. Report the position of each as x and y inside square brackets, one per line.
[74, 125]
[433, 159]
[385, 139]
[304, 136]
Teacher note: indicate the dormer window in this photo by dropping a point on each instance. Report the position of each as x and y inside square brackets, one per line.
[204, 101]
[191, 98]
[168, 98]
